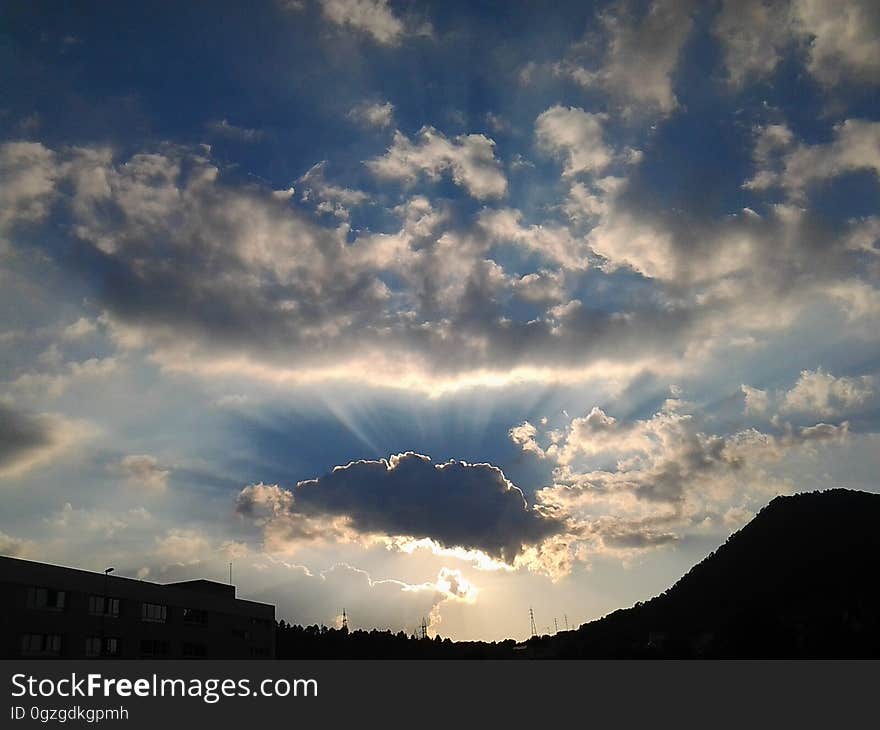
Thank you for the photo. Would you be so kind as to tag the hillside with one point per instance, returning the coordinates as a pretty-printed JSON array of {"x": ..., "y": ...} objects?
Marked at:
[{"x": 800, "y": 580}]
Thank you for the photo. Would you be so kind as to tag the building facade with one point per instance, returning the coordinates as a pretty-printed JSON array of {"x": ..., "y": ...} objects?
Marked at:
[{"x": 55, "y": 612}]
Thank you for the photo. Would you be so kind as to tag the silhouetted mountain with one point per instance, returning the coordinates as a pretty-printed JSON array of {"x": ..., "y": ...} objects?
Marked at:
[{"x": 800, "y": 580}]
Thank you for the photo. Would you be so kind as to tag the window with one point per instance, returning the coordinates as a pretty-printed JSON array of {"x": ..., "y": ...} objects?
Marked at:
[
  {"x": 195, "y": 616},
  {"x": 242, "y": 634},
  {"x": 41, "y": 644},
  {"x": 103, "y": 606},
  {"x": 45, "y": 598},
  {"x": 195, "y": 650},
  {"x": 153, "y": 647},
  {"x": 154, "y": 612},
  {"x": 259, "y": 651},
  {"x": 107, "y": 646}
]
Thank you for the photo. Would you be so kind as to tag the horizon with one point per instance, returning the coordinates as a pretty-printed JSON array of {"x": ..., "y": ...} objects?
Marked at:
[{"x": 432, "y": 310}]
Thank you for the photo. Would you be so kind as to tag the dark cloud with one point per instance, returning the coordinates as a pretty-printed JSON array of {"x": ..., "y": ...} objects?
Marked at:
[
  {"x": 21, "y": 435},
  {"x": 456, "y": 504}
]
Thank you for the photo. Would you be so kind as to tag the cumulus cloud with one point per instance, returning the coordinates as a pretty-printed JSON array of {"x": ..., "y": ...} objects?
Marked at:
[
  {"x": 373, "y": 114},
  {"x": 217, "y": 279},
  {"x": 374, "y": 18},
  {"x": 634, "y": 485},
  {"x": 455, "y": 504},
  {"x": 27, "y": 180},
  {"x": 469, "y": 159},
  {"x": 144, "y": 470},
  {"x": 839, "y": 40},
  {"x": 795, "y": 166},
  {"x": 327, "y": 197},
  {"x": 574, "y": 135},
  {"x": 819, "y": 392},
  {"x": 223, "y": 128},
  {"x": 641, "y": 53}
]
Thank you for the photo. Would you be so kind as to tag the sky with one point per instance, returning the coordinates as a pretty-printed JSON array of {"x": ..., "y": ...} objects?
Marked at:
[{"x": 432, "y": 310}]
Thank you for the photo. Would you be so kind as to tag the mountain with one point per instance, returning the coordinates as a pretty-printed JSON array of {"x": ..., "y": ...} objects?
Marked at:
[{"x": 799, "y": 580}]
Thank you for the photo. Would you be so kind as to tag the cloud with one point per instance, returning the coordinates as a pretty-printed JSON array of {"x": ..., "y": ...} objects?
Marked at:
[
  {"x": 28, "y": 440},
  {"x": 641, "y": 53},
  {"x": 81, "y": 328},
  {"x": 373, "y": 114},
  {"x": 553, "y": 243},
  {"x": 633, "y": 485},
  {"x": 794, "y": 166},
  {"x": 27, "y": 179},
  {"x": 13, "y": 546},
  {"x": 575, "y": 136},
  {"x": 825, "y": 395},
  {"x": 53, "y": 384},
  {"x": 455, "y": 504},
  {"x": 144, "y": 470},
  {"x": 306, "y": 598},
  {"x": 840, "y": 41},
  {"x": 756, "y": 401},
  {"x": 470, "y": 159},
  {"x": 753, "y": 34},
  {"x": 223, "y": 128},
  {"x": 372, "y": 17},
  {"x": 220, "y": 279},
  {"x": 327, "y": 197}
]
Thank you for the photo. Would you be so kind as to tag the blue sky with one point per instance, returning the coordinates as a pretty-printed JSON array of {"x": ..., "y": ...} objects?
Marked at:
[{"x": 432, "y": 309}]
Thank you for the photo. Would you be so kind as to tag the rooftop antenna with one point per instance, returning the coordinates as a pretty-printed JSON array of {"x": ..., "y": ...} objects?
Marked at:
[{"x": 532, "y": 621}]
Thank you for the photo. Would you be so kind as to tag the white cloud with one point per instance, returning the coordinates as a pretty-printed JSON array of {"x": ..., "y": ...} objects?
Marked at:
[
  {"x": 855, "y": 146},
  {"x": 27, "y": 179},
  {"x": 470, "y": 159},
  {"x": 144, "y": 470},
  {"x": 841, "y": 40},
  {"x": 375, "y": 114},
  {"x": 575, "y": 136},
  {"x": 327, "y": 197},
  {"x": 756, "y": 400},
  {"x": 223, "y": 128},
  {"x": 642, "y": 52},
  {"x": 819, "y": 392},
  {"x": 373, "y": 17}
]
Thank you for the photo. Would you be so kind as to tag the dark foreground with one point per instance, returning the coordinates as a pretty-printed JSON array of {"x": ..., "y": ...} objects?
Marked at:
[{"x": 798, "y": 581}]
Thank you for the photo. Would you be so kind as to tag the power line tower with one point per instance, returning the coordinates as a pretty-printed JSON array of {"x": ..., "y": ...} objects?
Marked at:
[
  {"x": 555, "y": 625},
  {"x": 423, "y": 630},
  {"x": 566, "y": 621},
  {"x": 344, "y": 621},
  {"x": 532, "y": 621}
]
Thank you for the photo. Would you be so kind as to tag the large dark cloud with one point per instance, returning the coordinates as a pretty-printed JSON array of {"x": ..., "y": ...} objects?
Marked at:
[
  {"x": 455, "y": 504},
  {"x": 21, "y": 436}
]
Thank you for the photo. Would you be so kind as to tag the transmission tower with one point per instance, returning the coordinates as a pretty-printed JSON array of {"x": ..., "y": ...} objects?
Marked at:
[
  {"x": 532, "y": 621},
  {"x": 566, "y": 621},
  {"x": 344, "y": 620},
  {"x": 555, "y": 625},
  {"x": 423, "y": 629}
]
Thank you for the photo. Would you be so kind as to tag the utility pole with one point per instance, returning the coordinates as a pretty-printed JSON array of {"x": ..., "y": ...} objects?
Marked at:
[{"x": 532, "y": 621}]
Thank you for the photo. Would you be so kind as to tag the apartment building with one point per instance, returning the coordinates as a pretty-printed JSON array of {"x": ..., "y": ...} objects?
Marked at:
[{"x": 56, "y": 612}]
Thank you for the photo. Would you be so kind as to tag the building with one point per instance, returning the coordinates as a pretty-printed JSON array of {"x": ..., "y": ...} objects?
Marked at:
[{"x": 56, "y": 612}]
